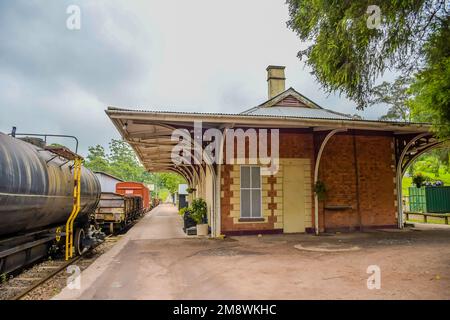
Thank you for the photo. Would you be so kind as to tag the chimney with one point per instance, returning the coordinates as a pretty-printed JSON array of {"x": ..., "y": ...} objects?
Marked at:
[{"x": 275, "y": 80}]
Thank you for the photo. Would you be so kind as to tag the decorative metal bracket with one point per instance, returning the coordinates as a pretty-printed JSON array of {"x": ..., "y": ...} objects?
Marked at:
[{"x": 409, "y": 148}]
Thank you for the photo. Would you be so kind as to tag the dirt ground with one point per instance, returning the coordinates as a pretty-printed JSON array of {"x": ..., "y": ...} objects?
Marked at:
[{"x": 414, "y": 264}]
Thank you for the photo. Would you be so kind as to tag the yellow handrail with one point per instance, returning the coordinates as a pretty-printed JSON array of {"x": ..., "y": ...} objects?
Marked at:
[{"x": 76, "y": 206}]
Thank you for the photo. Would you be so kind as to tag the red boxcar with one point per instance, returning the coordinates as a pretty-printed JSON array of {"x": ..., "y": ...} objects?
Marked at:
[{"x": 137, "y": 189}]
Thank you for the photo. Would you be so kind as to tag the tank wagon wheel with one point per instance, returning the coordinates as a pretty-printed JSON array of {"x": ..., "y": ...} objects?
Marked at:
[{"x": 79, "y": 239}]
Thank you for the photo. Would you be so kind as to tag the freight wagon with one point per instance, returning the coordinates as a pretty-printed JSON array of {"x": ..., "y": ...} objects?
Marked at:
[
  {"x": 136, "y": 189},
  {"x": 37, "y": 201},
  {"x": 116, "y": 211}
]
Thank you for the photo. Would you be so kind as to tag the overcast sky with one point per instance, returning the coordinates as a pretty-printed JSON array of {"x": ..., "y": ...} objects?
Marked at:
[{"x": 198, "y": 55}]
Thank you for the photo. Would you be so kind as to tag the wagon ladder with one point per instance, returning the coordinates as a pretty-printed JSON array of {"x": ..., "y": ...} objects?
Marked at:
[{"x": 75, "y": 208}]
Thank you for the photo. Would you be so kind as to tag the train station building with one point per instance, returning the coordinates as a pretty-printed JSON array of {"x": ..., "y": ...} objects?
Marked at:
[{"x": 333, "y": 171}]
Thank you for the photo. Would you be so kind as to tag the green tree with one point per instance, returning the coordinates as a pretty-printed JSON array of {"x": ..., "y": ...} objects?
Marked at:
[
  {"x": 171, "y": 181},
  {"x": 347, "y": 53},
  {"x": 444, "y": 155},
  {"x": 395, "y": 95},
  {"x": 97, "y": 159},
  {"x": 123, "y": 163},
  {"x": 428, "y": 164},
  {"x": 431, "y": 91}
]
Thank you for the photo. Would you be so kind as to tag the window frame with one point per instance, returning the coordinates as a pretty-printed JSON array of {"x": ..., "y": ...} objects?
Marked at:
[{"x": 251, "y": 188}]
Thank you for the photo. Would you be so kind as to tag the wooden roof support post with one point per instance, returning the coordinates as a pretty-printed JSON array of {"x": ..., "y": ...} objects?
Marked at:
[{"x": 217, "y": 227}]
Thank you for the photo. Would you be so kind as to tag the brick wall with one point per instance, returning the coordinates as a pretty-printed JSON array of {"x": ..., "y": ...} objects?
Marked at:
[
  {"x": 353, "y": 167},
  {"x": 294, "y": 143},
  {"x": 230, "y": 204},
  {"x": 376, "y": 165},
  {"x": 368, "y": 177}
]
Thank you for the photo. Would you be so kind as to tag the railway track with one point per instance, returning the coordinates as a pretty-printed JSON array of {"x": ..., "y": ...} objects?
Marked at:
[
  {"x": 23, "y": 285},
  {"x": 52, "y": 273}
]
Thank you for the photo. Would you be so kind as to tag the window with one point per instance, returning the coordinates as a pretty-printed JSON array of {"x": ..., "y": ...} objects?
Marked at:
[{"x": 250, "y": 192}]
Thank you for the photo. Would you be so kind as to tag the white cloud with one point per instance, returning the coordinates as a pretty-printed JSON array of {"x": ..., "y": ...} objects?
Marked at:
[{"x": 199, "y": 55}]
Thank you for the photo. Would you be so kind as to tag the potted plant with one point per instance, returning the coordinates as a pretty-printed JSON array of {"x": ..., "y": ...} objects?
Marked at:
[
  {"x": 418, "y": 180},
  {"x": 182, "y": 211},
  {"x": 199, "y": 211},
  {"x": 188, "y": 222},
  {"x": 320, "y": 190}
]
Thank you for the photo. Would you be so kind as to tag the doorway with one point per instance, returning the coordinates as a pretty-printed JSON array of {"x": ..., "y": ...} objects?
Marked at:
[{"x": 293, "y": 196}]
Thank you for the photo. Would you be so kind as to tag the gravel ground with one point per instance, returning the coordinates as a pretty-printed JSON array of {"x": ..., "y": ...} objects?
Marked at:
[
  {"x": 153, "y": 262},
  {"x": 13, "y": 285}
]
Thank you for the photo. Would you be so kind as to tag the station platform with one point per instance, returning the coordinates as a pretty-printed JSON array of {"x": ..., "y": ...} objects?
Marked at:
[
  {"x": 156, "y": 260},
  {"x": 115, "y": 275}
]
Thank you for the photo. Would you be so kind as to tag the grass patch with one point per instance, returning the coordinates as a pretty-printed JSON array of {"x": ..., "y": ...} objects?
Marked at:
[{"x": 430, "y": 220}]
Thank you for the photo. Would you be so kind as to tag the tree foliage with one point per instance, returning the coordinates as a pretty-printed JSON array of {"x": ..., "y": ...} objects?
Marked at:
[
  {"x": 96, "y": 159},
  {"x": 395, "y": 95},
  {"x": 123, "y": 163},
  {"x": 347, "y": 55},
  {"x": 171, "y": 181},
  {"x": 430, "y": 99},
  {"x": 432, "y": 163}
]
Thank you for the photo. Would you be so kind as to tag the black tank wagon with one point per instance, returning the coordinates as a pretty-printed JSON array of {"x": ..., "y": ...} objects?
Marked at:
[{"x": 36, "y": 198}]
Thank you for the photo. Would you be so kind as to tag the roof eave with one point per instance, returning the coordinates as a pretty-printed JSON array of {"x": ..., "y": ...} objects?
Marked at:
[{"x": 281, "y": 121}]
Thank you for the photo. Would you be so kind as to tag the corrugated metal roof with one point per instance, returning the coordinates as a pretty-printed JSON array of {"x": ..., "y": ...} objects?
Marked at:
[
  {"x": 107, "y": 174},
  {"x": 112, "y": 109},
  {"x": 297, "y": 112}
]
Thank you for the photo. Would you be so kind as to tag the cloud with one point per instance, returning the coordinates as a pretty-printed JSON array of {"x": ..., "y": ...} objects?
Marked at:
[{"x": 201, "y": 55}]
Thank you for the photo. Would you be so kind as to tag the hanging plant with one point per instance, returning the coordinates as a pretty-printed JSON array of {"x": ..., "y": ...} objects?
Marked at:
[
  {"x": 320, "y": 190},
  {"x": 190, "y": 190},
  {"x": 418, "y": 180}
]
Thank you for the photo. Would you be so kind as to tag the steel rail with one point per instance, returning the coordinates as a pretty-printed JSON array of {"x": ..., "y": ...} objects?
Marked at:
[{"x": 46, "y": 278}]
